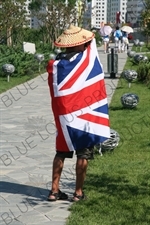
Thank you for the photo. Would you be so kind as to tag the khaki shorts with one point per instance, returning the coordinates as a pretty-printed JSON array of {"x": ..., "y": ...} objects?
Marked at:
[{"x": 86, "y": 153}]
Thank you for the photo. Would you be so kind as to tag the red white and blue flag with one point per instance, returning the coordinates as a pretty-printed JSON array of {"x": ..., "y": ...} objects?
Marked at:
[{"x": 79, "y": 100}]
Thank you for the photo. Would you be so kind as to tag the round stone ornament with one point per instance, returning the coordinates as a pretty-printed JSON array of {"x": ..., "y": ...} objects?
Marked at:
[
  {"x": 129, "y": 100},
  {"x": 52, "y": 56},
  {"x": 8, "y": 68},
  {"x": 131, "y": 54},
  {"x": 129, "y": 75},
  {"x": 57, "y": 51},
  {"x": 141, "y": 43},
  {"x": 111, "y": 142},
  {"x": 138, "y": 58},
  {"x": 145, "y": 59},
  {"x": 39, "y": 57},
  {"x": 136, "y": 42}
]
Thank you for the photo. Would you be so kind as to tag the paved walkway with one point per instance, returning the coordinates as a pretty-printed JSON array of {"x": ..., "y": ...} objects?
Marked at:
[{"x": 27, "y": 143}]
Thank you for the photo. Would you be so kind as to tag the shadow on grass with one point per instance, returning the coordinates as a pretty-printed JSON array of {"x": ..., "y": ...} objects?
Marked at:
[
  {"x": 120, "y": 87},
  {"x": 115, "y": 108},
  {"x": 119, "y": 189},
  {"x": 118, "y": 186},
  {"x": 115, "y": 195}
]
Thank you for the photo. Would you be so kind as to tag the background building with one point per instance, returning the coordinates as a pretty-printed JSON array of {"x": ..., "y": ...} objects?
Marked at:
[
  {"x": 33, "y": 22},
  {"x": 98, "y": 12},
  {"x": 87, "y": 16},
  {"x": 105, "y": 11},
  {"x": 116, "y": 7},
  {"x": 134, "y": 9}
]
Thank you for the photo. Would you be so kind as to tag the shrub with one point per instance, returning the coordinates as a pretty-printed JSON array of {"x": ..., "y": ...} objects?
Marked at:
[
  {"x": 143, "y": 71},
  {"x": 24, "y": 63}
]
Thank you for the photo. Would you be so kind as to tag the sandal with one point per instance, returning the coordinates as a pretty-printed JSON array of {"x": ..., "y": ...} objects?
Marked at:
[
  {"x": 77, "y": 198},
  {"x": 53, "y": 196}
]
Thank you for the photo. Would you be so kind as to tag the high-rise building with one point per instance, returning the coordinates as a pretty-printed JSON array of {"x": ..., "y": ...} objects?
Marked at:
[
  {"x": 106, "y": 11},
  {"x": 134, "y": 9},
  {"x": 87, "y": 16},
  {"x": 116, "y": 7},
  {"x": 98, "y": 12},
  {"x": 28, "y": 14},
  {"x": 33, "y": 22}
]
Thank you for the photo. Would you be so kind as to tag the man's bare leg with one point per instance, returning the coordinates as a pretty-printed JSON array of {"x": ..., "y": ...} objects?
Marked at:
[
  {"x": 58, "y": 164},
  {"x": 81, "y": 168}
]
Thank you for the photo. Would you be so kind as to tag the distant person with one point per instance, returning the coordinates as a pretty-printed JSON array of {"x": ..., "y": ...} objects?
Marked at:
[
  {"x": 130, "y": 37},
  {"x": 105, "y": 37},
  {"x": 118, "y": 38},
  {"x": 106, "y": 43},
  {"x": 125, "y": 42}
]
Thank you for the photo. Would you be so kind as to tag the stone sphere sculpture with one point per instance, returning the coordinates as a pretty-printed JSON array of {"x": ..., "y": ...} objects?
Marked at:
[
  {"x": 39, "y": 57},
  {"x": 131, "y": 54},
  {"x": 141, "y": 43},
  {"x": 52, "y": 56},
  {"x": 138, "y": 58},
  {"x": 129, "y": 75},
  {"x": 136, "y": 42},
  {"x": 111, "y": 142},
  {"x": 145, "y": 59},
  {"x": 129, "y": 100},
  {"x": 57, "y": 51},
  {"x": 8, "y": 68}
]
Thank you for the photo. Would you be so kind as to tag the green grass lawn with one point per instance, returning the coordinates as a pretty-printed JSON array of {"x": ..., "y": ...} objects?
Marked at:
[
  {"x": 144, "y": 48},
  {"x": 118, "y": 183},
  {"x": 14, "y": 81}
]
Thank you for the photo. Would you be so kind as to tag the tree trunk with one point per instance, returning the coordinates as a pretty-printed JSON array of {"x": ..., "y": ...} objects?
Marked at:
[
  {"x": 147, "y": 40},
  {"x": 9, "y": 38}
]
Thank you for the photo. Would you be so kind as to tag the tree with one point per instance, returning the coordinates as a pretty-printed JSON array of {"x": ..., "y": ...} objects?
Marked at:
[
  {"x": 145, "y": 19},
  {"x": 55, "y": 16},
  {"x": 12, "y": 16}
]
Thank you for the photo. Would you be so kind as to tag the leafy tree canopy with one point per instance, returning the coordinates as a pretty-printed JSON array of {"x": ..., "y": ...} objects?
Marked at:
[
  {"x": 12, "y": 15},
  {"x": 56, "y": 15},
  {"x": 37, "y": 4},
  {"x": 145, "y": 16}
]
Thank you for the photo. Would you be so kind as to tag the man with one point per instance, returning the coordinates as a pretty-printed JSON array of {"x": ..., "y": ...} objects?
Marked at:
[
  {"x": 105, "y": 37},
  {"x": 125, "y": 42},
  {"x": 118, "y": 37},
  {"x": 106, "y": 43},
  {"x": 79, "y": 105}
]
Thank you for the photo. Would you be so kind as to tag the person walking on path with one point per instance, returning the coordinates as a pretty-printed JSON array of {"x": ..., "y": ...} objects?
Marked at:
[
  {"x": 105, "y": 32},
  {"x": 118, "y": 39},
  {"x": 106, "y": 43},
  {"x": 79, "y": 104},
  {"x": 125, "y": 41}
]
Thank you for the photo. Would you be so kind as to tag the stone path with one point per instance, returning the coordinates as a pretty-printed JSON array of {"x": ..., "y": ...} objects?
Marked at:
[{"x": 27, "y": 143}]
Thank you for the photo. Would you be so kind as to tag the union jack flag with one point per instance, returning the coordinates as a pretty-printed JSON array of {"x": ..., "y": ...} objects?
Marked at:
[{"x": 79, "y": 100}]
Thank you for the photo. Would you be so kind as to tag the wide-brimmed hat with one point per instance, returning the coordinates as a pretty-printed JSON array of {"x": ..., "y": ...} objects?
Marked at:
[{"x": 73, "y": 36}]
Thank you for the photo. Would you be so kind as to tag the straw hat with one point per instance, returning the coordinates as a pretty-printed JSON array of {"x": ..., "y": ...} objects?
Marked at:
[{"x": 73, "y": 36}]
